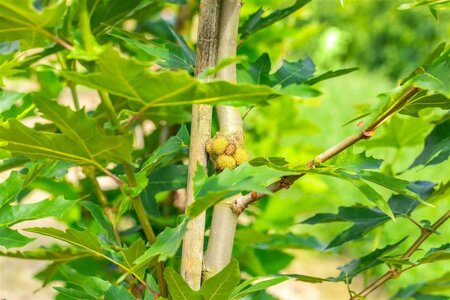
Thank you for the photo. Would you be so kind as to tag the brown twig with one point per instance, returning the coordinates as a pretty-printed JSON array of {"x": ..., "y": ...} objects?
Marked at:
[
  {"x": 394, "y": 272},
  {"x": 241, "y": 203}
]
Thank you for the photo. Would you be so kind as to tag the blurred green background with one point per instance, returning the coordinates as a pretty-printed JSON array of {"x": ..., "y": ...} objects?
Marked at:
[{"x": 386, "y": 44}]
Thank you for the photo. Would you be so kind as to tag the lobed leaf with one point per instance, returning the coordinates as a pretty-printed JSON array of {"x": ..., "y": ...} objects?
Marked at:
[
  {"x": 256, "y": 21},
  {"x": 20, "y": 20}
]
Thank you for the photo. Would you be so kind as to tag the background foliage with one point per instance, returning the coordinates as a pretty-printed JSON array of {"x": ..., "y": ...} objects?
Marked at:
[{"x": 135, "y": 63}]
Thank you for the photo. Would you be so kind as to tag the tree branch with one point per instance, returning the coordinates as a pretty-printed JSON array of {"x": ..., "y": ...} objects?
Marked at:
[
  {"x": 146, "y": 226},
  {"x": 192, "y": 253},
  {"x": 241, "y": 203},
  {"x": 395, "y": 272}
]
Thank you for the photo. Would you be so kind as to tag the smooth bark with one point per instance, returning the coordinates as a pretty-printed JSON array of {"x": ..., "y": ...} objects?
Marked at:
[
  {"x": 224, "y": 220},
  {"x": 192, "y": 255}
]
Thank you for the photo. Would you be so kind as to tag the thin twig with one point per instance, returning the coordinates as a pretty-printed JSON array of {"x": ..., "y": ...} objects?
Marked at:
[
  {"x": 241, "y": 203},
  {"x": 394, "y": 272}
]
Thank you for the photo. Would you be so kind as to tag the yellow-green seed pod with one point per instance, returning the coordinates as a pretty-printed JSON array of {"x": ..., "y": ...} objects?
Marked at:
[
  {"x": 240, "y": 156},
  {"x": 230, "y": 149},
  {"x": 218, "y": 145},
  {"x": 209, "y": 146},
  {"x": 224, "y": 161}
]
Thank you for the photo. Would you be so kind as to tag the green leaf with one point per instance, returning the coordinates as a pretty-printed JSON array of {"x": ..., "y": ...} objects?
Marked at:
[
  {"x": 348, "y": 160},
  {"x": 310, "y": 279},
  {"x": 221, "y": 285},
  {"x": 74, "y": 293},
  {"x": 10, "y": 188},
  {"x": 54, "y": 253},
  {"x": 12, "y": 239},
  {"x": 289, "y": 79},
  {"x": 365, "y": 219},
  {"x": 357, "y": 266},
  {"x": 132, "y": 253},
  {"x": 104, "y": 14},
  {"x": 57, "y": 207},
  {"x": 257, "y": 22},
  {"x": 259, "y": 286},
  {"x": 330, "y": 74},
  {"x": 437, "y": 146},
  {"x": 293, "y": 72},
  {"x": 85, "y": 132},
  {"x": 166, "y": 245},
  {"x": 168, "y": 54},
  {"x": 94, "y": 286},
  {"x": 421, "y": 102},
  {"x": 126, "y": 78},
  {"x": 437, "y": 76},
  {"x": 37, "y": 144},
  {"x": 169, "y": 178},
  {"x": 83, "y": 239},
  {"x": 178, "y": 288},
  {"x": 171, "y": 147},
  {"x": 8, "y": 99},
  {"x": 245, "y": 178},
  {"x": 257, "y": 72},
  {"x": 19, "y": 20},
  {"x": 100, "y": 217},
  {"x": 426, "y": 290},
  {"x": 436, "y": 254}
]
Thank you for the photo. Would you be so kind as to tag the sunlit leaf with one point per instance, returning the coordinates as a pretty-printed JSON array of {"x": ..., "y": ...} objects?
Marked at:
[
  {"x": 256, "y": 21},
  {"x": 12, "y": 238},
  {"x": 20, "y": 20}
]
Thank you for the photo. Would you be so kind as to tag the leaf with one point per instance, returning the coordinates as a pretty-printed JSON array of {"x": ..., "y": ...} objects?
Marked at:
[
  {"x": 85, "y": 132},
  {"x": 437, "y": 76},
  {"x": 178, "y": 288},
  {"x": 259, "y": 286},
  {"x": 72, "y": 147},
  {"x": 221, "y": 285},
  {"x": 94, "y": 286},
  {"x": 171, "y": 147},
  {"x": 245, "y": 178},
  {"x": 126, "y": 78},
  {"x": 19, "y": 20},
  {"x": 107, "y": 13},
  {"x": 330, "y": 74},
  {"x": 425, "y": 290},
  {"x": 310, "y": 279},
  {"x": 289, "y": 79},
  {"x": 357, "y": 266},
  {"x": 256, "y": 21},
  {"x": 436, "y": 254},
  {"x": 54, "y": 253},
  {"x": 101, "y": 219},
  {"x": 8, "y": 99},
  {"x": 365, "y": 219},
  {"x": 348, "y": 160},
  {"x": 257, "y": 72},
  {"x": 132, "y": 253},
  {"x": 166, "y": 245},
  {"x": 167, "y": 178},
  {"x": 168, "y": 54},
  {"x": 293, "y": 72},
  {"x": 437, "y": 146},
  {"x": 10, "y": 188},
  {"x": 83, "y": 239},
  {"x": 421, "y": 102},
  {"x": 73, "y": 293},
  {"x": 12, "y": 239},
  {"x": 57, "y": 207}
]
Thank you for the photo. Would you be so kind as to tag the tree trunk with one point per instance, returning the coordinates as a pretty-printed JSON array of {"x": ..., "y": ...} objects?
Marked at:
[
  {"x": 192, "y": 255},
  {"x": 223, "y": 226}
]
